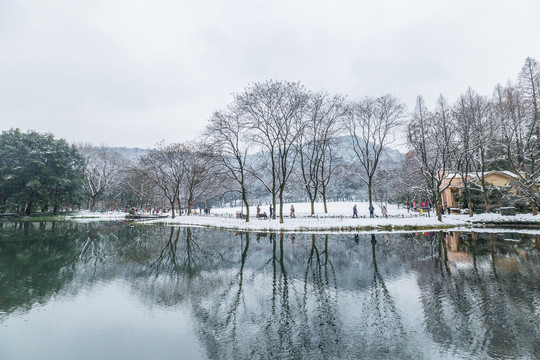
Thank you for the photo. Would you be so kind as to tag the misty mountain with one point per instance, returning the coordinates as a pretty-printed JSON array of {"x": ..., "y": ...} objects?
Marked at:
[
  {"x": 131, "y": 154},
  {"x": 345, "y": 152},
  {"x": 343, "y": 148}
]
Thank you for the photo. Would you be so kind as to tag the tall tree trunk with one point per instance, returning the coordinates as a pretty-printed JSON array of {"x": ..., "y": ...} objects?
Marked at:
[
  {"x": 439, "y": 206},
  {"x": 483, "y": 181},
  {"x": 179, "y": 207},
  {"x": 93, "y": 204},
  {"x": 324, "y": 199},
  {"x": 369, "y": 191},
  {"x": 484, "y": 195},
  {"x": 274, "y": 206},
  {"x": 281, "y": 205},
  {"x": 470, "y": 204},
  {"x": 312, "y": 206},
  {"x": 244, "y": 199},
  {"x": 172, "y": 209},
  {"x": 274, "y": 193},
  {"x": 28, "y": 209}
]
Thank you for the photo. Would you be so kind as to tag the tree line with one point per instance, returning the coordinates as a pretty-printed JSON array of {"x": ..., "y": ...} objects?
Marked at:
[
  {"x": 476, "y": 134},
  {"x": 279, "y": 140}
]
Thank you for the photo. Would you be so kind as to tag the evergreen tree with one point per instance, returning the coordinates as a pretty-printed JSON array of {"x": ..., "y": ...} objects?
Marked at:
[{"x": 38, "y": 172}]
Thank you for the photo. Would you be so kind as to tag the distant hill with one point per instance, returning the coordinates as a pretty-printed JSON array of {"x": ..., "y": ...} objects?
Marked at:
[
  {"x": 132, "y": 154},
  {"x": 344, "y": 150},
  {"x": 346, "y": 153}
]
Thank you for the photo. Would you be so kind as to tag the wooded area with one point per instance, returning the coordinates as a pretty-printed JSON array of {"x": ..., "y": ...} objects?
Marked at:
[{"x": 279, "y": 141}]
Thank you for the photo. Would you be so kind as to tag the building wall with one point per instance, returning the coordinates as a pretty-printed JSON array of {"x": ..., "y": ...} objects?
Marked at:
[
  {"x": 449, "y": 194},
  {"x": 498, "y": 179}
]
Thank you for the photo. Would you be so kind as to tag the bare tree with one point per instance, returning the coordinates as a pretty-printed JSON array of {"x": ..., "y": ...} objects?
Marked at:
[
  {"x": 324, "y": 116},
  {"x": 484, "y": 130},
  {"x": 228, "y": 132},
  {"x": 202, "y": 174},
  {"x": 139, "y": 189},
  {"x": 165, "y": 167},
  {"x": 102, "y": 168},
  {"x": 529, "y": 179},
  {"x": 372, "y": 125},
  {"x": 432, "y": 138},
  {"x": 343, "y": 186},
  {"x": 274, "y": 112},
  {"x": 384, "y": 188},
  {"x": 529, "y": 84},
  {"x": 327, "y": 170},
  {"x": 409, "y": 183},
  {"x": 471, "y": 113},
  {"x": 517, "y": 110}
]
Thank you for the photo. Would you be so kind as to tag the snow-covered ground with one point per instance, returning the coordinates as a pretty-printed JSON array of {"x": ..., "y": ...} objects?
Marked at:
[
  {"x": 339, "y": 218},
  {"x": 89, "y": 216}
]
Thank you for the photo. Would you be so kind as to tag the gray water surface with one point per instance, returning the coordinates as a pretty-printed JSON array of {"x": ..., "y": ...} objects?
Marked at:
[{"x": 114, "y": 291}]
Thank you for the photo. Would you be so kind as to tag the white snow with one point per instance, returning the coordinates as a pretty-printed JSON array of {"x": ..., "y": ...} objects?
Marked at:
[
  {"x": 505, "y": 172},
  {"x": 89, "y": 216},
  {"x": 339, "y": 218}
]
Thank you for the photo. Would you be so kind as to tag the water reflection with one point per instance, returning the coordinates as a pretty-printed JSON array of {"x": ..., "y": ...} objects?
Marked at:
[
  {"x": 383, "y": 319},
  {"x": 419, "y": 295},
  {"x": 479, "y": 295}
]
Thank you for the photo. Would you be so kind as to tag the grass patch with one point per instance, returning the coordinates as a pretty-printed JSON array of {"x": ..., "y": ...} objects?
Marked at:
[{"x": 38, "y": 217}]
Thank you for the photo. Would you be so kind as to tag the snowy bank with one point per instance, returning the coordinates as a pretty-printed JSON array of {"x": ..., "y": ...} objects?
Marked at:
[{"x": 339, "y": 218}]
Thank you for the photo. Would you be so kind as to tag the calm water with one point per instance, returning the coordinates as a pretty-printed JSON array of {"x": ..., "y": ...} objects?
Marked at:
[{"x": 111, "y": 291}]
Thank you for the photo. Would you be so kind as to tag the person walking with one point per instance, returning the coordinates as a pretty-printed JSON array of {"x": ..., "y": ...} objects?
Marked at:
[
  {"x": 271, "y": 211},
  {"x": 354, "y": 212},
  {"x": 292, "y": 211},
  {"x": 371, "y": 211},
  {"x": 385, "y": 211}
]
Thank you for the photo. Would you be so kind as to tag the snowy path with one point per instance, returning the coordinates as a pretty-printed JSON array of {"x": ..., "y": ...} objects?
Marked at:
[{"x": 339, "y": 218}]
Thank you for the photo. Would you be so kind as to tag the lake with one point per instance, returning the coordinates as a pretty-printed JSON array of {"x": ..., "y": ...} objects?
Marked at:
[{"x": 116, "y": 291}]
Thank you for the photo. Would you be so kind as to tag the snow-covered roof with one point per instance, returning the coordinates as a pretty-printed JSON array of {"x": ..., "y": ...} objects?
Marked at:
[
  {"x": 473, "y": 175},
  {"x": 452, "y": 175},
  {"x": 505, "y": 172}
]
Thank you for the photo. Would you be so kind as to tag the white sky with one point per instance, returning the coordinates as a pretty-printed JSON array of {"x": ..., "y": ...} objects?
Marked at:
[{"x": 131, "y": 72}]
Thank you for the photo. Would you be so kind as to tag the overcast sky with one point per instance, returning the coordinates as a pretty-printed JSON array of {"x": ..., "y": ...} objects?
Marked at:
[{"x": 131, "y": 72}]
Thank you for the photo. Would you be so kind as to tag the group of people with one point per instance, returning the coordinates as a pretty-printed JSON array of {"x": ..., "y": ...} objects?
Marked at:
[
  {"x": 272, "y": 212},
  {"x": 371, "y": 211},
  {"x": 445, "y": 209},
  {"x": 292, "y": 214},
  {"x": 411, "y": 205}
]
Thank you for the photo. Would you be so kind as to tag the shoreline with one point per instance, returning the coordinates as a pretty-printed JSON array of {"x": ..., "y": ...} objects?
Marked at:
[
  {"x": 334, "y": 224},
  {"x": 304, "y": 223}
]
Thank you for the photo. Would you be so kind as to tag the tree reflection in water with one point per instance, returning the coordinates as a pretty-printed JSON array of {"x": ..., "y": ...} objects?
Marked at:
[
  {"x": 324, "y": 330},
  {"x": 319, "y": 296},
  {"x": 280, "y": 316},
  {"x": 384, "y": 335},
  {"x": 469, "y": 304}
]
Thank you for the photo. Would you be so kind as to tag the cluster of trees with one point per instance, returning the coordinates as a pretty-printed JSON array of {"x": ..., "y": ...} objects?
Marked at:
[
  {"x": 278, "y": 141},
  {"x": 477, "y": 134},
  {"x": 38, "y": 172},
  {"x": 169, "y": 176},
  {"x": 291, "y": 133},
  {"x": 275, "y": 140}
]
